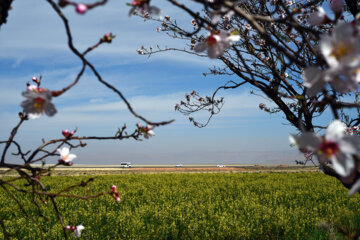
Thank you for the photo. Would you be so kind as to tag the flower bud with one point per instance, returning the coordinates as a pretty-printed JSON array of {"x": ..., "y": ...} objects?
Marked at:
[
  {"x": 68, "y": 227},
  {"x": 66, "y": 133},
  {"x": 177, "y": 107},
  {"x": 81, "y": 8}
]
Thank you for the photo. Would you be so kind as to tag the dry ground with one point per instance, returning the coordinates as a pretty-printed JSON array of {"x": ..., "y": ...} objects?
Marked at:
[{"x": 109, "y": 170}]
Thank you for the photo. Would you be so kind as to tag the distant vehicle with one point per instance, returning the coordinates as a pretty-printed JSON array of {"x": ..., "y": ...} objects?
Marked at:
[
  {"x": 178, "y": 165},
  {"x": 220, "y": 166},
  {"x": 125, "y": 164}
]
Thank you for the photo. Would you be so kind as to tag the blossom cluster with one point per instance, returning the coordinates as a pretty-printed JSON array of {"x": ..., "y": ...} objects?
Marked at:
[
  {"x": 76, "y": 229},
  {"x": 341, "y": 51},
  {"x": 335, "y": 147},
  {"x": 115, "y": 193},
  {"x": 146, "y": 131}
]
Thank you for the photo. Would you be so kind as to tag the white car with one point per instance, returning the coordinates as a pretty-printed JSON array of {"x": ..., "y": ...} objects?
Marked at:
[
  {"x": 178, "y": 165},
  {"x": 125, "y": 164},
  {"x": 220, "y": 166}
]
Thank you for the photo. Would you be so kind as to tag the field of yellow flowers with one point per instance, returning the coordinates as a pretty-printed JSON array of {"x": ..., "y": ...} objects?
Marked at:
[{"x": 196, "y": 206}]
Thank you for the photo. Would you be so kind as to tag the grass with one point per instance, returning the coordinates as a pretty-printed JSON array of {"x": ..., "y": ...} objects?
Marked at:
[{"x": 198, "y": 206}]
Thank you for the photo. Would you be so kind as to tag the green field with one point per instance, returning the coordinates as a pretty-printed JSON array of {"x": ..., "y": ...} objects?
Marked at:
[{"x": 197, "y": 206}]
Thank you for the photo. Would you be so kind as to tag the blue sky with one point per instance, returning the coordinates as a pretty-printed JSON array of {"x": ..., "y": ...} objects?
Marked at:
[{"x": 33, "y": 43}]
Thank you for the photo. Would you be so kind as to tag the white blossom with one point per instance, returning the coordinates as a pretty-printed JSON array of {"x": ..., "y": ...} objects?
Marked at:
[
  {"x": 341, "y": 51},
  {"x": 334, "y": 147},
  {"x": 216, "y": 43},
  {"x": 65, "y": 154},
  {"x": 79, "y": 228},
  {"x": 149, "y": 131},
  {"x": 38, "y": 100}
]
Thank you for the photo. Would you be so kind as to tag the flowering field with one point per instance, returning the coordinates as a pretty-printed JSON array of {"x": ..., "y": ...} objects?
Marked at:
[{"x": 197, "y": 206}]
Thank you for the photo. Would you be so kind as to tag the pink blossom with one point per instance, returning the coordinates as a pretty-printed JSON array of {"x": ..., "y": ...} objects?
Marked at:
[{"x": 113, "y": 188}]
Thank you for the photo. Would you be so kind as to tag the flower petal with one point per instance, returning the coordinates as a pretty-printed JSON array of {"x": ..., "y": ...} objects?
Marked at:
[
  {"x": 335, "y": 131},
  {"x": 306, "y": 140},
  {"x": 50, "y": 109},
  {"x": 70, "y": 157},
  {"x": 343, "y": 164}
]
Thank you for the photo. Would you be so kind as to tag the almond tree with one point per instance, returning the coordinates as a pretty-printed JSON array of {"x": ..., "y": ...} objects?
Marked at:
[
  {"x": 292, "y": 52},
  {"x": 300, "y": 57},
  {"x": 37, "y": 103}
]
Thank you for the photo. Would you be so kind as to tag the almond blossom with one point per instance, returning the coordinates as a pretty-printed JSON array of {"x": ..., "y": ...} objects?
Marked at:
[
  {"x": 65, "y": 156},
  {"x": 79, "y": 228},
  {"x": 38, "y": 101},
  {"x": 334, "y": 147},
  {"x": 342, "y": 47},
  {"x": 341, "y": 51},
  {"x": 149, "y": 131},
  {"x": 216, "y": 43},
  {"x": 115, "y": 193}
]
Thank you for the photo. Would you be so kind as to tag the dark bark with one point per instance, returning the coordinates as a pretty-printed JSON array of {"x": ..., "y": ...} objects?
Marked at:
[{"x": 4, "y": 9}]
